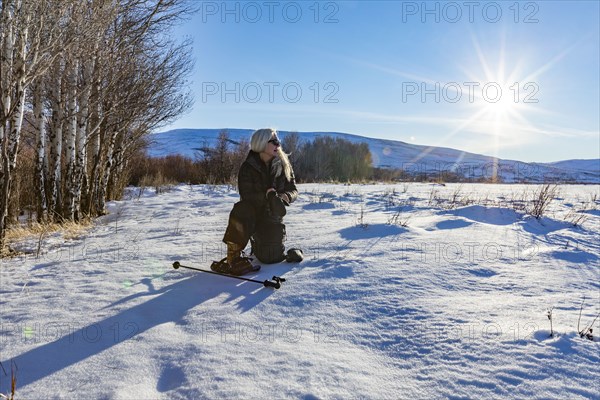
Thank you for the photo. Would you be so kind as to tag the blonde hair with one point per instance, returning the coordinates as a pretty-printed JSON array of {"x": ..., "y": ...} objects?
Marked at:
[{"x": 258, "y": 143}]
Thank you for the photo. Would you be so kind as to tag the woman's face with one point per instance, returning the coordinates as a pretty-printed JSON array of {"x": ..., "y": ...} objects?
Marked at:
[{"x": 273, "y": 146}]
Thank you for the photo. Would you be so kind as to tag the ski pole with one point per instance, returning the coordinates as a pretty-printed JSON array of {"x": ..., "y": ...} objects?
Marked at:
[{"x": 274, "y": 283}]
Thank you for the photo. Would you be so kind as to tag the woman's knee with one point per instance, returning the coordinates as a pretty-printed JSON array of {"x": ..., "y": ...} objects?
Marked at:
[
  {"x": 241, "y": 225},
  {"x": 243, "y": 210},
  {"x": 268, "y": 242}
]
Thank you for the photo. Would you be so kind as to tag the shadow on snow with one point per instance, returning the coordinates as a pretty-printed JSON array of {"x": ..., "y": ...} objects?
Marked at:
[{"x": 168, "y": 304}]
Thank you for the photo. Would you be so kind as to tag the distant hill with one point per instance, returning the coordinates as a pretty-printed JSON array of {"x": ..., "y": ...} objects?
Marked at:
[
  {"x": 578, "y": 165},
  {"x": 412, "y": 158}
]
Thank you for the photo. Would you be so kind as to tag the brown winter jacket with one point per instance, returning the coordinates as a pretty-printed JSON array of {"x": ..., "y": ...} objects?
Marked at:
[{"x": 255, "y": 178}]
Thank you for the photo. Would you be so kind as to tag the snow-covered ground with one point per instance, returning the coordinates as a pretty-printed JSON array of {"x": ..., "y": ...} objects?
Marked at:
[{"x": 452, "y": 305}]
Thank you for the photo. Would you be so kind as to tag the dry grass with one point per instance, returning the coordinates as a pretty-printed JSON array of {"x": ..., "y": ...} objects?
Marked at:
[
  {"x": 68, "y": 229},
  {"x": 13, "y": 381},
  {"x": 160, "y": 182},
  {"x": 541, "y": 200}
]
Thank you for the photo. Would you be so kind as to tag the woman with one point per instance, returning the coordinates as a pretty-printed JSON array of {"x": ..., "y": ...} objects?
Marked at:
[{"x": 267, "y": 186}]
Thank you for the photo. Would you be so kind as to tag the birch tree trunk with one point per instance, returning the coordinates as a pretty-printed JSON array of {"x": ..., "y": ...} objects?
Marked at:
[
  {"x": 56, "y": 141},
  {"x": 13, "y": 98},
  {"x": 6, "y": 93},
  {"x": 80, "y": 179},
  {"x": 103, "y": 186},
  {"x": 71, "y": 137},
  {"x": 40, "y": 145}
]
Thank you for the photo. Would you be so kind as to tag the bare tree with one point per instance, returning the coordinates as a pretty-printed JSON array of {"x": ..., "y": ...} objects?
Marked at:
[
  {"x": 29, "y": 38},
  {"x": 102, "y": 75},
  {"x": 291, "y": 145}
]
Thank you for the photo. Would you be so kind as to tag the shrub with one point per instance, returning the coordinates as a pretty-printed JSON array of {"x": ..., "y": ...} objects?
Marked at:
[{"x": 541, "y": 200}]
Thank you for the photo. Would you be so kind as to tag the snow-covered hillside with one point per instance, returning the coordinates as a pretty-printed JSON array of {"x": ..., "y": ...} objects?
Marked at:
[
  {"x": 578, "y": 165},
  {"x": 410, "y": 291},
  {"x": 414, "y": 159}
]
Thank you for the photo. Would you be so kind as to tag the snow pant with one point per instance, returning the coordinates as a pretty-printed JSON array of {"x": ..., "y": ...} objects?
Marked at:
[{"x": 265, "y": 232}]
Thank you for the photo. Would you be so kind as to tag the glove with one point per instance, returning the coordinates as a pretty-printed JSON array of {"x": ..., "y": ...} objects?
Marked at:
[
  {"x": 276, "y": 204},
  {"x": 285, "y": 198}
]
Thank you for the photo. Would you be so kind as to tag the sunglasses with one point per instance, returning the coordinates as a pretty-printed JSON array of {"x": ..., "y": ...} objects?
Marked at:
[{"x": 275, "y": 142}]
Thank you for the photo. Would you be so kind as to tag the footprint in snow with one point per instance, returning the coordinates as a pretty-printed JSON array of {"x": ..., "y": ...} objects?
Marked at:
[
  {"x": 482, "y": 272},
  {"x": 170, "y": 378}
]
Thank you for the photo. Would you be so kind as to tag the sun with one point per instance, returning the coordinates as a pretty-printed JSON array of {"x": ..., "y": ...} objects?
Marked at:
[
  {"x": 501, "y": 108},
  {"x": 504, "y": 100},
  {"x": 498, "y": 99},
  {"x": 497, "y": 114},
  {"x": 501, "y": 105}
]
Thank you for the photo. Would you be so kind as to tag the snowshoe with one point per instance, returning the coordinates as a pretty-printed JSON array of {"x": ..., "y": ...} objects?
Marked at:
[{"x": 240, "y": 266}]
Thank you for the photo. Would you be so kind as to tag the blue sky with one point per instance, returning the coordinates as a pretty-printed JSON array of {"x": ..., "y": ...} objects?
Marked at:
[{"x": 518, "y": 80}]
